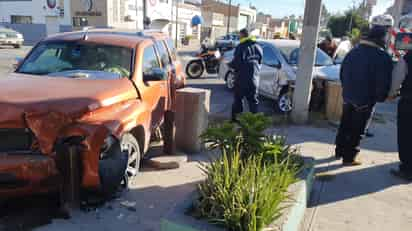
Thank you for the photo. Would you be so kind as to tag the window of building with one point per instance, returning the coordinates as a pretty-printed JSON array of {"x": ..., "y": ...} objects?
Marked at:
[
  {"x": 18, "y": 19},
  {"x": 80, "y": 21}
]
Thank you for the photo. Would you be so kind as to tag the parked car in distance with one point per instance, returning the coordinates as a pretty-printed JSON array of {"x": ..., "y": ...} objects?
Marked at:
[
  {"x": 103, "y": 92},
  {"x": 10, "y": 37},
  {"x": 227, "y": 42},
  {"x": 278, "y": 73}
]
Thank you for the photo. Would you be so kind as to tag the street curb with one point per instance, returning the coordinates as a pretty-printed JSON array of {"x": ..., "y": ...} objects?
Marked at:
[
  {"x": 293, "y": 216},
  {"x": 291, "y": 219}
]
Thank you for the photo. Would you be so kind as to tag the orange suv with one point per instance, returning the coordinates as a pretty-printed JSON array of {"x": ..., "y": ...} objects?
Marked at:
[{"x": 103, "y": 92}]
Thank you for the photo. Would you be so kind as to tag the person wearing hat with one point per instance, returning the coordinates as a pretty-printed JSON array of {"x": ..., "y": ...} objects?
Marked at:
[
  {"x": 366, "y": 75},
  {"x": 246, "y": 64}
]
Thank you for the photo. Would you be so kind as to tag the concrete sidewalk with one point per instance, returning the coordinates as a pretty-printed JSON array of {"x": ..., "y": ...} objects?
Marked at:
[{"x": 356, "y": 198}]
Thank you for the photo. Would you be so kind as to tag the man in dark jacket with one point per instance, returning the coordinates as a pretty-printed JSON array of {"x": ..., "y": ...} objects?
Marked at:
[
  {"x": 246, "y": 63},
  {"x": 402, "y": 86},
  {"x": 366, "y": 75}
]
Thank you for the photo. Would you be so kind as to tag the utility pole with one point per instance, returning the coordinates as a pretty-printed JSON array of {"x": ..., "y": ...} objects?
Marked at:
[
  {"x": 351, "y": 16},
  {"x": 144, "y": 10},
  {"x": 397, "y": 11},
  {"x": 302, "y": 93},
  {"x": 137, "y": 15},
  {"x": 177, "y": 23},
  {"x": 229, "y": 16}
]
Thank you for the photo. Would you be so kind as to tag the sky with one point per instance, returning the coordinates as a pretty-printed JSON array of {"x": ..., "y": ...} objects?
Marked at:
[{"x": 280, "y": 8}]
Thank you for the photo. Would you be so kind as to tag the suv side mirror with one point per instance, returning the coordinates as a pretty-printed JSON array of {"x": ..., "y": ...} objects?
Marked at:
[{"x": 155, "y": 74}]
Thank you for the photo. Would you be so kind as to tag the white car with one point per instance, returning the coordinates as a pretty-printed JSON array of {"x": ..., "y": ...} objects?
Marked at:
[
  {"x": 278, "y": 73},
  {"x": 10, "y": 37}
]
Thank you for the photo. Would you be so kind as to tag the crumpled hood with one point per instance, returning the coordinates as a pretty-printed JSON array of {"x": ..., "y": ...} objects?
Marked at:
[
  {"x": 47, "y": 104},
  {"x": 331, "y": 73},
  {"x": 64, "y": 95}
]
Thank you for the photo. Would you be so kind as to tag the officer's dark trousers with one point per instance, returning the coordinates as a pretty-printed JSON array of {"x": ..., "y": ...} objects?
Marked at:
[
  {"x": 250, "y": 94},
  {"x": 351, "y": 129},
  {"x": 404, "y": 134}
]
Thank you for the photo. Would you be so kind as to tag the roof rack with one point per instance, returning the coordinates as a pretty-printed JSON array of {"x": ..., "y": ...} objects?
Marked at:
[
  {"x": 148, "y": 31},
  {"x": 86, "y": 31}
]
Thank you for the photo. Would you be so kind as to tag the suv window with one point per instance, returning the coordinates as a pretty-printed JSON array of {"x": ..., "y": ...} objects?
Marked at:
[
  {"x": 150, "y": 60},
  {"x": 172, "y": 49},
  {"x": 164, "y": 55}
]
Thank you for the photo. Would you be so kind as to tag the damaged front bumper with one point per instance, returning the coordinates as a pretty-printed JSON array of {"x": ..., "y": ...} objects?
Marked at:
[{"x": 24, "y": 174}]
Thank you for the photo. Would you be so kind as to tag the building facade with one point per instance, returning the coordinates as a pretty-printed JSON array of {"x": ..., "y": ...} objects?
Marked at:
[
  {"x": 246, "y": 18},
  {"x": 218, "y": 18},
  {"x": 186, "y": 12},
  {"x": 36, "y": 19}
]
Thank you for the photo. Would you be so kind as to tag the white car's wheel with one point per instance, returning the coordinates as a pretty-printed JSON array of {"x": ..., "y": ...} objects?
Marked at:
[
  {"x": 230, "y": 80},
  {"x": 285, "y": 103}
]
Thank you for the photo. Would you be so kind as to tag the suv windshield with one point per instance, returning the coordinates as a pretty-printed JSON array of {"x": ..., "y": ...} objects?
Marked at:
[{"x": 75, "y": 57}]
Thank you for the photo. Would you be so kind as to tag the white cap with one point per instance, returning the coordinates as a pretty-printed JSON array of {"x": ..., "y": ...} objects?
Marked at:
[{"x": 383, "y": 20}]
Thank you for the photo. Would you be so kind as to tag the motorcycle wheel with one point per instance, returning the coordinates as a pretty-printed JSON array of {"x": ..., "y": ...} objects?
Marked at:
[{"x": 195, "y": 69}]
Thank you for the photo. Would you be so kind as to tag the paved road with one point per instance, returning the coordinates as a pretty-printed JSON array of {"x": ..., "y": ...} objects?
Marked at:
[{"x": 8, "y": 57}]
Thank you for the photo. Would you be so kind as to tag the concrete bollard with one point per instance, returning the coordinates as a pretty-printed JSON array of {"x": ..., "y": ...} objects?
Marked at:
[
  {"x": 192, "y": 111},
  {"x": 334, "y": 101}
]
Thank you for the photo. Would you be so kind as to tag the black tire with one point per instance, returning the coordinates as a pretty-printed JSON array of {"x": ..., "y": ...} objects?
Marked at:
[
  {"x": 17, "y": 46},
  {"x": 112, "y": 169},
  {"x": 131, "y": 146},
  {"x": 199, "y": 69},
  {"x": 285, "y": 97}
]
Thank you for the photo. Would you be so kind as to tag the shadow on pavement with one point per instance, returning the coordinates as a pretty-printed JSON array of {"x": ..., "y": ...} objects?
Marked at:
[{"x": 356, "y": 183}]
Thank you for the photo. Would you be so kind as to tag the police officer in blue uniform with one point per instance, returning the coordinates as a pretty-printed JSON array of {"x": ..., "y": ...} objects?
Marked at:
[{"x": 246, "y": 63}]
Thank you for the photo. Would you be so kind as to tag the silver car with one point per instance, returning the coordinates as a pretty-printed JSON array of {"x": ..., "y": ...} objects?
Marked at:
[
  {"x": 278, "y": 73},
  {"x": 10, "y": 37}
]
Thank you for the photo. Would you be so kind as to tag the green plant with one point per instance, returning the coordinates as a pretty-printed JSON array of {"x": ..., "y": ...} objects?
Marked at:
[
  {"x": 245, "y": 187},
  {"x": 248, "y": 133}
]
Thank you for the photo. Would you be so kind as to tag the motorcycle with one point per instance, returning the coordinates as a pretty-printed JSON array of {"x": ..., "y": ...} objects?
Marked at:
[{"x": 207, "y": 59}]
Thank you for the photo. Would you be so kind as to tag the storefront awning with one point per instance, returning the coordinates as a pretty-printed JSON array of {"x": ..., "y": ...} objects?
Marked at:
[{"x": 197, "y": 20}]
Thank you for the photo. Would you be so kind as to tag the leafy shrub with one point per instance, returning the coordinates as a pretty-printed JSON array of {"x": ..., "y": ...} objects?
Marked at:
[{"x": 245, "y": 187}]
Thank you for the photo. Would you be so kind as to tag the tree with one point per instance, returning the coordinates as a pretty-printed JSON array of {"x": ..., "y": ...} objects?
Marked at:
[
  {"x": 325, "y": 15},
  {"x": 341, "y": 25}
]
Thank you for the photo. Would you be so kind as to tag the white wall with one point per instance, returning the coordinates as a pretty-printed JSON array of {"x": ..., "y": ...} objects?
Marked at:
[
  {"x": 158, "y": 10},
  {"x": 250, "y": 13},
  {"x": 38, "y": 9},
  {"x": 186, "y": 13}
]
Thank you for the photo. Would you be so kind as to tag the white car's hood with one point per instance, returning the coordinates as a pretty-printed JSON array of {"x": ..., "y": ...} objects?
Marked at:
[
  {"x": 327, "y": 72},
  {"x": 330, "y": 73}
]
